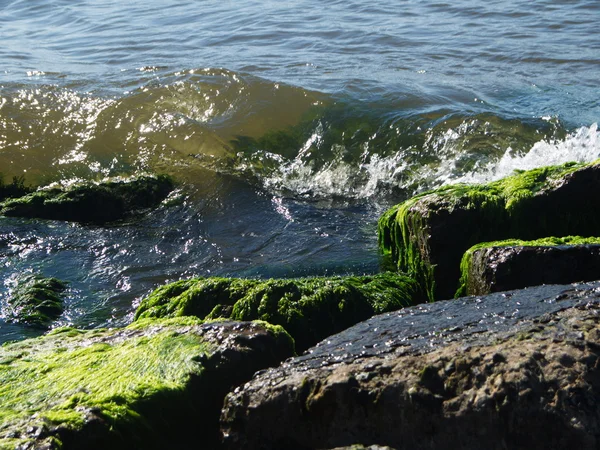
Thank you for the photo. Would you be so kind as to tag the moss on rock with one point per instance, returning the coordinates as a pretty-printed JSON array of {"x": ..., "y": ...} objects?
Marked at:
[
  {"x": 427, "y": 235},
  {"x": 36, "y": 300},
  {"x": 515, "y": 263},
  {"x": 310, "y": 309},
  {"x": 100, "y": 202},
  {"x": 155, "y": 384}
]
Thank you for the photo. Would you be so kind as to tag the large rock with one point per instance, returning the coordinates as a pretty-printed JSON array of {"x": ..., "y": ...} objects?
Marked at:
[
  {"x": 35, "y": 300},
  {"x": 310, "y": 309},
  {"x": 153, "y": 385},
  {"x": 517, "y": 370},
  {"x": 427, "y": 235},
  {"x": 514, "y": 264},
  {"x": 101, "y": 202}
]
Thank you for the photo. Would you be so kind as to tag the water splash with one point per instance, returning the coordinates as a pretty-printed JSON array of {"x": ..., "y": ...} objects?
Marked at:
[{"x": 582, "y": 145}]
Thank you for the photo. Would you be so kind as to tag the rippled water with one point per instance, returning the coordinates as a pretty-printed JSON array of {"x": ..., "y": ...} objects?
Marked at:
[{"x": 289, "y": 126}]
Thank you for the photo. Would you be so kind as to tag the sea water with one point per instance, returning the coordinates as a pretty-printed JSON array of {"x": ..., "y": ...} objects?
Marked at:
[{"x": 289, "y": 127}]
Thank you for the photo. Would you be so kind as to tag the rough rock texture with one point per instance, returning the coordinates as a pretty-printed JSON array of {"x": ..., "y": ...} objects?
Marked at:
[
  {"x": 153, "y": 385},
  {"x": 35, "y": 300},
  {"x": 427, "y": 235},
  {"x": 308, "y": 308},
  {"x": 101, "y": 202},
  {"x": 517, "y": 370},
  {"x": 513, "y": 264}
]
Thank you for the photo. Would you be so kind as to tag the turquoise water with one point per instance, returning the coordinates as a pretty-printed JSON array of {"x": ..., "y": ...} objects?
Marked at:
[{"x": 290, "y": 126}]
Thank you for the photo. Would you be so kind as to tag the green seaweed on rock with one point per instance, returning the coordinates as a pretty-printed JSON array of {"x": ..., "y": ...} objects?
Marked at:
[
  {"x": 93, "y": 202},
  {"x": 426, "y": 236},
  {"x": 310, "y": 309},
  {"x": 154, "y": 384},
  {"x": 36, "y": 300}
]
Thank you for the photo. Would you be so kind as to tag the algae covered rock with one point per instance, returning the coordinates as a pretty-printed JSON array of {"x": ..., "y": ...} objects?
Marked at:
[
  {"x": 427, "y": 235},
  {"x": 308, "y": 308},
  {"x": 16, "y": 188},
  {"x": 35, "y": 300},
  {"x": 153, "y": 385},
  {"x": 92, "y": 202},
  {"x": 514, "y": 264},
  {"x": 517, "y": 370}
]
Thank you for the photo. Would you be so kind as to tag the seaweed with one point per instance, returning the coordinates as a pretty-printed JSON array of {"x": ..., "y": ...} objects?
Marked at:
[
  {"x": 310, "y": 309},
  {"x": 427, "y": 235}
]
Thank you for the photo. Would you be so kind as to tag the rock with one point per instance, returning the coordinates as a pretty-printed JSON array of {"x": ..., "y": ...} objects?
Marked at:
[
  {"x": 514, "y": 264},
  {"x": 153, "y": 385},
  {"x": 16, "y": 188},
  {"x": 89, "y": 202},
  {"x": 427, "y": 235},
  {"x": 517, "y": 370},
  {"x": 36, "y": 300},
  {"x": 308, "y": 308}
]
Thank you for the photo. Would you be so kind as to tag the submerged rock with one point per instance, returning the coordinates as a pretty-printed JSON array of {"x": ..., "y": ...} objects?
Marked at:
[
  {"x": 427, "y": 235},
  {"x": 153, "y": 385},
  {"x": 514, "y": 264},
  {"x": 90, "y": 202},
  {"x": 308, "y": 308},
  {"x": 16, "y": 188},
  {"x": 517, "y": 370},
  {"x": 35, "y": 300}
]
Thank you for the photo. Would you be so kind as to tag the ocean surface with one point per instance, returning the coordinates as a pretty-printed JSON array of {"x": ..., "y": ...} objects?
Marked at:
[{"x": 289, "y": 127}]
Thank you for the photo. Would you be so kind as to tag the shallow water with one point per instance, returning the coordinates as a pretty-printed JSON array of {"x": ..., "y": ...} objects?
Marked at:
[{"x": 290, "y": 126}]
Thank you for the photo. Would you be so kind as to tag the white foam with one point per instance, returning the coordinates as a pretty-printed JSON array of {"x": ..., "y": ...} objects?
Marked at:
[{"x": 583, "y": 145}]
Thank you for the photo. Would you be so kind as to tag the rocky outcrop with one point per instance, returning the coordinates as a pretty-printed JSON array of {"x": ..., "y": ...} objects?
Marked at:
[
  {"x": 153, "y": 385},
  {"x": 35, "y": 300},
  {"x": 514, "y": 370},
  {"x": 514, "y": 264},
  {"x": 310, "y": 309},
  {"x": 89, "y": 202},
  {"x": 427, "y": 235}
]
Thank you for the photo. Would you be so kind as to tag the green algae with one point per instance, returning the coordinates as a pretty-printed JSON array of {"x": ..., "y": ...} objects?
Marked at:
[
  {"x": 91, "y": 202},
  {"x": 154, "y": 384},
  {"x": 427, "y": 235},
  {"x": 62, "y": 379},
  {"x": 310, "y": 309},
  {"x": 36, "y": 300},
  {"x": 552, "y": 241}
]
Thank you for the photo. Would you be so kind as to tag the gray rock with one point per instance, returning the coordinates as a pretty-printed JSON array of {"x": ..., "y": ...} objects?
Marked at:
[
  {"x": 517, "y": 370},
  {"x": 495, "y": 269}
]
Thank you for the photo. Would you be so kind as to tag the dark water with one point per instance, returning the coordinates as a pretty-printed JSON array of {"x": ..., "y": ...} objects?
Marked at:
[{"x": 290, "y": 126}]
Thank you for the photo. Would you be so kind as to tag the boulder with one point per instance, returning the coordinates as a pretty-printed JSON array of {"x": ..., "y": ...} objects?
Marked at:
[
  {"x": 153, "y": 385},
  {"x": 516, "y": 370},
  {"x": 35, "y": 300},
  {"x": 308, "y": 308},
  {"x": 514, "y": 264},
  {"x": 90, "y": 202},
  {"x": 427, "y": 235}
]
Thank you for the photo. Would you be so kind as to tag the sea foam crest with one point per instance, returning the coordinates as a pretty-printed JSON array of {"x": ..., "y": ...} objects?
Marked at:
[{"x": 583, "y": 145}]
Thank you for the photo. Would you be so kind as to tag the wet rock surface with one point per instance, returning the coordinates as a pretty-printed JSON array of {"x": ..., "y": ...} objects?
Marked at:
[
  {"x": 89, "y": 202},
  {"x": 498, "y": 269},
  {"x": 154, "y": 385},
  {"x": 519, "y": 369}
]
